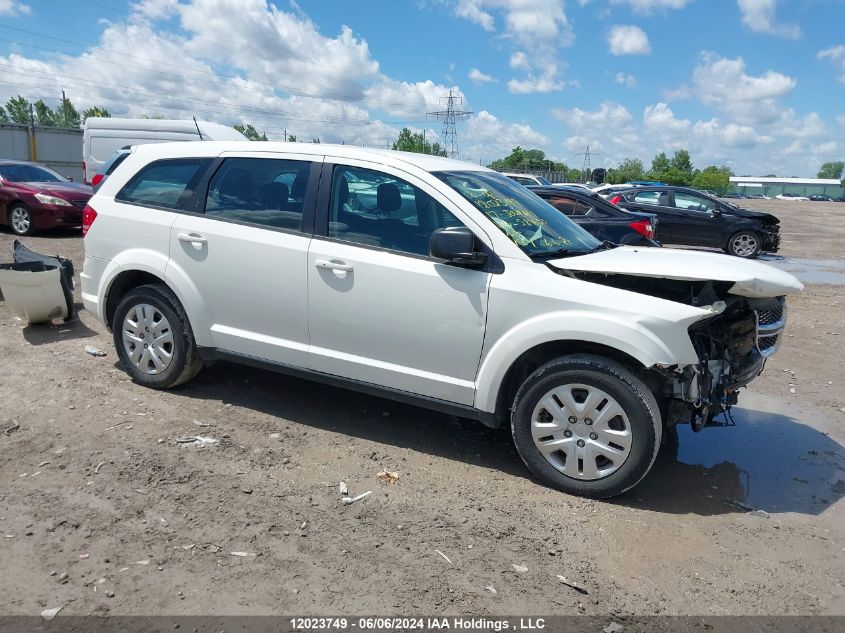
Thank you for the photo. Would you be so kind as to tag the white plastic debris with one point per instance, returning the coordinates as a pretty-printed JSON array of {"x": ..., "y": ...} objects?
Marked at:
[
  {"x": 571, "y": 583},
  {"x": 491, "y": 589},
  {"x": 49, "y": 614},
  {"x": 613, "y": 628},
  {"x": 197, "y": 440},
  {"x": 446, "y": 558},
  {"x": 344, "y": 489},
  {"x": 349, "y": 500},
  {"x": 520, "y": 569},
  {"x": 243, "y": 554},
  {"x": 93, "y": 351}
]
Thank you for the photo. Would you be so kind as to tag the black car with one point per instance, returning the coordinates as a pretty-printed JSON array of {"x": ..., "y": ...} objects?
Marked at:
[
  {"x": 817, "y": 197},
  {"x": 603, "y": 220},
  {"x": 686, "y": 216}
]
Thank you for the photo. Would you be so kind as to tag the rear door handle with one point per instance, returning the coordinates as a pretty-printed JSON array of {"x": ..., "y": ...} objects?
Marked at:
[
  {"x": 191, "y": 238},
  {"x": 331, "y": 265}
]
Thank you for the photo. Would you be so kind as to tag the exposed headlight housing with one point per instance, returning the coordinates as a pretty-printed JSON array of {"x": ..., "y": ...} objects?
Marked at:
[{"x": 43, "y": 198}]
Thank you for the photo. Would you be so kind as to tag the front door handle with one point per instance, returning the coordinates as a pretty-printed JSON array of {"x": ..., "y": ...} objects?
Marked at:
[
  {"x": 333, "y": 265},
  {"x": 192, "y": 238}
]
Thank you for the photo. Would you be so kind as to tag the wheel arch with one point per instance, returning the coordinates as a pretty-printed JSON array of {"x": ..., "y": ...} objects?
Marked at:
[
  {"x": 531, "y": 359},
  {"x": 516, "y": 353}
]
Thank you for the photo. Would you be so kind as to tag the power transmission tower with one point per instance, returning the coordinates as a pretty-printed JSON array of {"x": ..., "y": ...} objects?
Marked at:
[
  {"x": 586, "y": 170},
  {"x": 450, "y": 116}
]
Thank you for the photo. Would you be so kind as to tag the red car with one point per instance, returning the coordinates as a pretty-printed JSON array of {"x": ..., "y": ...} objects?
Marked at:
[{"x": 34, "y": 197}]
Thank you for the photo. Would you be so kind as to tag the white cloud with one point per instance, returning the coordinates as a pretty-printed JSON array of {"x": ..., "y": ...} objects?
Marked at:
[
  {"x": 628, "y": 40},
  {"x": 836, "y": 54},
  {"x": 841, "y": 120},
  {"x": 759, "y": 16},
  {"x": 488, "y": 137},
  {"x": 235, "y": 61},
  {"x": 624, "y": 79},
  {"x": 536, "y": 29},
  {"x": 545, "y": 81},
  {"x": 610, "y": 115},
  {"x": 724, "y": 84},
  {"x": 531, "y": 23},
  {"x": 478, "y": 77},
  {"x": 13, "y": 7},
  {"x": 647, "y": 6}
]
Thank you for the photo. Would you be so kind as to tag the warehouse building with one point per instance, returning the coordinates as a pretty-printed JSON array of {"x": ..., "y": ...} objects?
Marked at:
[{"x": 775, "y": 186}]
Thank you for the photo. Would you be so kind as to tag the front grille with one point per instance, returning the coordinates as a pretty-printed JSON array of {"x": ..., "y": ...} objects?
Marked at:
[
  {"x": 79, "y": 204},
  {"x": 771, "y": 321}
]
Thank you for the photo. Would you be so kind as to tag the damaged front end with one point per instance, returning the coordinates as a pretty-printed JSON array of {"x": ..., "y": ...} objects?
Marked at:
[{"x": 732, "y": 347}]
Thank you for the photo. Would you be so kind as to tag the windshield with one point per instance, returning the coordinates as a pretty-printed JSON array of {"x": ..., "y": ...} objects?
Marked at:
[
  {"x": 529, "y": 221},
  {"x": 29, "y": 173},
  {"x": 543, "y": 181}
]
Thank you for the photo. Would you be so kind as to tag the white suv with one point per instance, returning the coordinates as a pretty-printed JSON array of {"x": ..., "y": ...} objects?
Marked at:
[{"x": 429, "y": 281}]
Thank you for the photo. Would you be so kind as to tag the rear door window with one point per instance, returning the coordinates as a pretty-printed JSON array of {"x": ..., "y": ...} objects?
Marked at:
[
  {"x": 265, "y": 191},
  {"x": 656, "y": 198},
  {"x": 166, "y": 184},
  {"x": 693, "y": 202}
]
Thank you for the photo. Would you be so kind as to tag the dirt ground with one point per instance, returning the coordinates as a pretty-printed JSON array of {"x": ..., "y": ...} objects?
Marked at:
[{"x": 102, "y": 511}]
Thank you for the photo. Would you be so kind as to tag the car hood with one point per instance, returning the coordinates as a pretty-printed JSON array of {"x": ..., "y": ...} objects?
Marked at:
[
  {"x": 750, "y": 278},
  {"x": 66, "y": 190},
  {"x": 766, "y": 218}
]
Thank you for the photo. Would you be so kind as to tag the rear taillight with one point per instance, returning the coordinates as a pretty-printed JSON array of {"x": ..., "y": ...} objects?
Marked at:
[
  {"x": 96, "y": 179},
  {"x": 643, "y": 227},
  {"x": 615, "y": 199},
  {"x": 84, "y": 172},
  {"x": 88, "y": 217}
]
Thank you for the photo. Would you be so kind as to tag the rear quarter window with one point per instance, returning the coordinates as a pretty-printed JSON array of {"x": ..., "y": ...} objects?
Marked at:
[{"x": 167, "y": 184}]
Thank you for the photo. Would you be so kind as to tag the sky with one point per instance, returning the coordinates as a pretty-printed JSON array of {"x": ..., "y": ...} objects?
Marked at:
[{"x": 757, "y": 85}]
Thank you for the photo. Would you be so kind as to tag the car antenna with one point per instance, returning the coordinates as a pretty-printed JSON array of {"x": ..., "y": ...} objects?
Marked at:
[{"x": 198, "y": 127}]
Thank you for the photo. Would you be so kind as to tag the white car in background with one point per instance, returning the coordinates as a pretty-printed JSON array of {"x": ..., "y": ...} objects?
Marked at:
[
  {"x": 792, "y": 196},
  {"x": 429, "y": 281},
  {"x": 605, "y": 191}
]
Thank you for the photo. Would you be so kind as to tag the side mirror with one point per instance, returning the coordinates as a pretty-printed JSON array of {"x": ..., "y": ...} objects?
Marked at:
[
  {"x": 717, "y": 212},
  {"x": 456, "y": 245}
]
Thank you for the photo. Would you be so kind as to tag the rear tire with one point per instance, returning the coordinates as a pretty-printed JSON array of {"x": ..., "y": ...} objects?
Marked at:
[
  {"x": 153, "y": 338},
  {"x": 20, "y": 220},
  {"x": 613, "y": 440},
  {"x": 745, "y": 244}
]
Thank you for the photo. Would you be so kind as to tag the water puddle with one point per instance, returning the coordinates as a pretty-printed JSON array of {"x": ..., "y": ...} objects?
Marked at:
[
  {"x": 769, "y": 460},
  {"x": 811, "y": 271}
]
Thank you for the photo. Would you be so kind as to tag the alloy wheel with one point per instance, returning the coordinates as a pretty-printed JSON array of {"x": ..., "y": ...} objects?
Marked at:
[
  {"x": 20, "y": 220},
  {"x": 744, "y": 245}
]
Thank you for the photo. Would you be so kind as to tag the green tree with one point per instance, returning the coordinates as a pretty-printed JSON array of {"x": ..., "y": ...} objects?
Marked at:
[
  {"x": 659, "y": 164},
  {"x": 316, "y": 140},
  {"x": 409, "y": 141},
  {"x": 43, "y": 114},
  {"x": 628, "y": 170},
  {"x": 3, "y": 116},
  {"x": 291, "y": 138},
  {"x": 681, "y": 161},
  {"x": 520, "y": 158},
  {"x": 249, "y": 131},
  {"x": 152, "y": 116},
  {"x": 713, "y": 178},
  {"x": 18, "y": 109},
  {"x": 832, "y": 170},
  {"x": 66, "y": 114},
  {"x": 95, "y": 111}
]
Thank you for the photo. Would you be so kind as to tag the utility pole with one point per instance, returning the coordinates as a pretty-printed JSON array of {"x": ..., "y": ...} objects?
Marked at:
[
  {"x": 450, "y": 116},
  {"x": 586, "y": 170}
]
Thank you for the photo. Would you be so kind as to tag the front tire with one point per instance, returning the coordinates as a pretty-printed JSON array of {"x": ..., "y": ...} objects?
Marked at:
[
  {"x": 153, "y": 338},
  {"x": 586, "y": 425},
  {"x": 745, "y": 244},
  {"x": 20, "y": 220}
]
